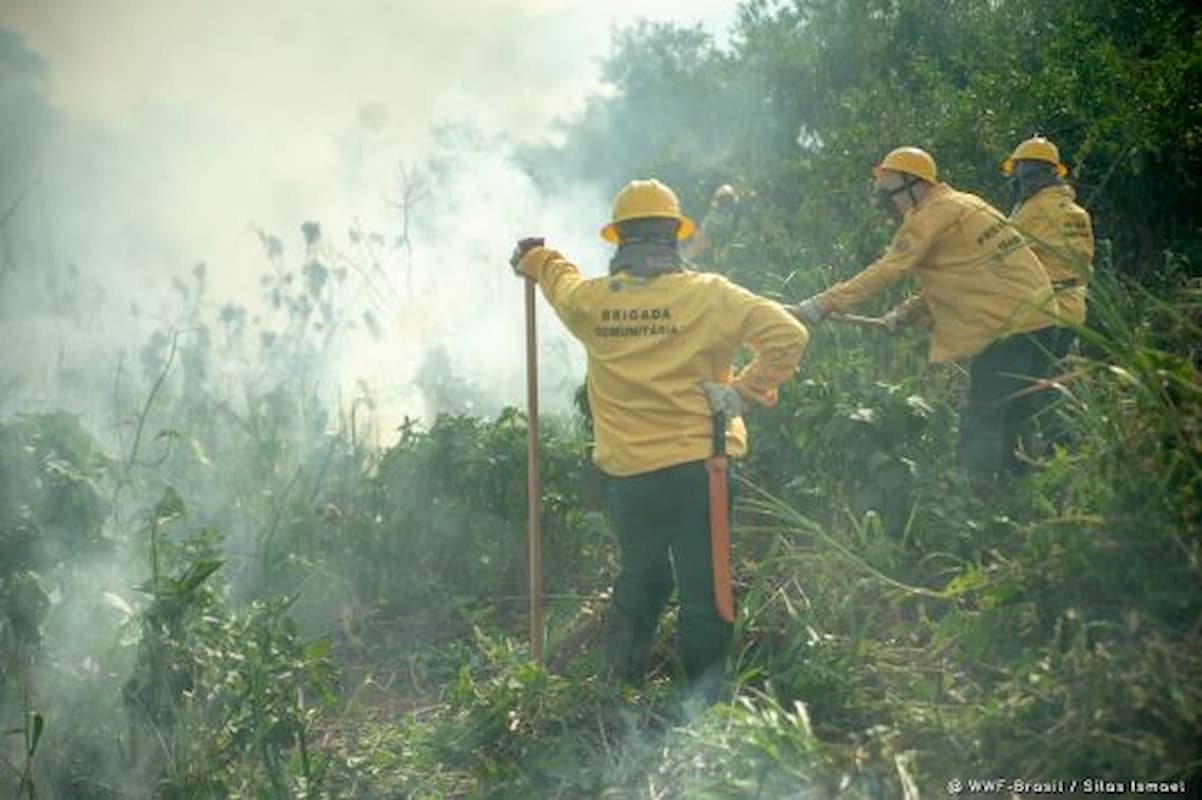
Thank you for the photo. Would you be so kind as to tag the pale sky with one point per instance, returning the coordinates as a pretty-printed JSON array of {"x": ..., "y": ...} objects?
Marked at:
[
  {"x": 308, "y": 66},
  {"x": 184, "y": 124}
]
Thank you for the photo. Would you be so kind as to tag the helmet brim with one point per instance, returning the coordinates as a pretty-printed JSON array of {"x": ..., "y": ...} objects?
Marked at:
[
  {"x": 1007, "y": 166},
  {"x": 879, "y": 171},
  {"x": 686, "y": 228}
]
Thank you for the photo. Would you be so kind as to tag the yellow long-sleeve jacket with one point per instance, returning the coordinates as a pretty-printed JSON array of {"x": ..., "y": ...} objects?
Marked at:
[
  {"x": 1061, "y": 234},
  {"x": 651, "y": 341},
  {"x": 978, "y": 280}
]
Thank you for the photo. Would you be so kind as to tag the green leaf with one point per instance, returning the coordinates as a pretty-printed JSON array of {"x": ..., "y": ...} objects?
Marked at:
[
  {"x": 318, "y": 650},
  {"x": 38, "y": 724},
  {"x": 863, "y": 414},
  {"x": 919, "y": 406},
  {"x": 170, "y": 506},
  {"x": 196, "y": 574},
  {"x": 117, "y": 602}
]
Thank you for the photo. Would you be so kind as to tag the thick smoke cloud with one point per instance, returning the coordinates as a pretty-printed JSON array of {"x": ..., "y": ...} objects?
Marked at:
[{"x": 167, "y": 134}]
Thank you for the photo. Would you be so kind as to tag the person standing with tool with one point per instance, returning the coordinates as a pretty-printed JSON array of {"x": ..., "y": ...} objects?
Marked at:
[
  {"x": 1060, "y": 232},
  {"x": 661, "y": 339},
  {"x": 982, "y": 292}
]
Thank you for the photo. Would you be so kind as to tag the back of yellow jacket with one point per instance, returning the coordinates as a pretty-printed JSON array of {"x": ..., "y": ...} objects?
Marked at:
[
  {"x": 1061, "y": 234},
  {"x": 978, "y": 280},
  {"x": 650, "y": 343}
]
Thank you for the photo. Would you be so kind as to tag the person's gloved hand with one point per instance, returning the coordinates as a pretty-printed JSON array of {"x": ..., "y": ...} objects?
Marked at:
[
  {"x": 524, "y": 246},
  {"x": 724, "y": 399},
  {"x": 893, "y": 320},
  {"x": 810, "y": 311}
]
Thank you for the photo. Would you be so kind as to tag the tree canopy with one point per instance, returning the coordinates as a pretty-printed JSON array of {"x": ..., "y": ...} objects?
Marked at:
[{"x": 808, "y": 94}]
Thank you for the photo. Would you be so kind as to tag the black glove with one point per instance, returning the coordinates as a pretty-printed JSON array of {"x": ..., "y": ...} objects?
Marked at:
[{"x": 524, "y": 246}]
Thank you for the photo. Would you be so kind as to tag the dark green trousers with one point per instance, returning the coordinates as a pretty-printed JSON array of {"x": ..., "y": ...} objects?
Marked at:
[
  {"x": 1001, "y": 410},
  {"x": 662, "y": 524},
  {"x": 1061, "y": 341}
]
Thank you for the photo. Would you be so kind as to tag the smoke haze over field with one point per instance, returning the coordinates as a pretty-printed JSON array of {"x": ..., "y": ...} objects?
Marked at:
[
  {"x": 159, "y": 135},
  {"x": 212, "y": 169}
]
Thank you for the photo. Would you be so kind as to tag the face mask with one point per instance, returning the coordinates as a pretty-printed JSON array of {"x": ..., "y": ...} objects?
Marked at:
[
  {"x": 1029, "y": 177},
  {"x": 1016, "y": 188},
  {"x": 647, "y": 246},
  {"x": 882, "y": 199}
]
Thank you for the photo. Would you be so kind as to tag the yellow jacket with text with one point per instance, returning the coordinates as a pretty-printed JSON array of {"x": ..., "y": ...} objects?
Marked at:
[
  {"x": 651, "y": 341},
  {"x": 1061, "y": 234},
  {"x": 978, "y": 280}
]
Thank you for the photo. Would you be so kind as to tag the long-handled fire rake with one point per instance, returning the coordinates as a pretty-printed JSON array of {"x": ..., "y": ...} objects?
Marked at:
[
  {"x": 533, "y": 494},
  {"x": 856, "y": 319}
]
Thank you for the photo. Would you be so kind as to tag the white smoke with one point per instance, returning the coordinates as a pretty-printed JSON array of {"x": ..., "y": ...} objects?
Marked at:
[{"x": 179, "y": 129}]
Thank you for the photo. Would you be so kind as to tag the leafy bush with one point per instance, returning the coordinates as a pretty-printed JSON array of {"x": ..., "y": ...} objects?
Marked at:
[
  {"x": 220, "y": 702},
  {"x": 894, "y": 630}
]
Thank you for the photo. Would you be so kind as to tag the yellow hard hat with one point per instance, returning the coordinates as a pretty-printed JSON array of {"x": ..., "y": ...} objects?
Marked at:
[
  {"x": 646, "y": 198},
  {"x": 1037, "y": 148},
  {"x": 910, "y": 160}
]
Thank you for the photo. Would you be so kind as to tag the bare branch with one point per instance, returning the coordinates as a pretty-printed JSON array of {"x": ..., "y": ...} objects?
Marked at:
[
  {"x": 154, "y": 390},
  {"x": 8, "y": 264},
  {"x": 415, "y": 187}
]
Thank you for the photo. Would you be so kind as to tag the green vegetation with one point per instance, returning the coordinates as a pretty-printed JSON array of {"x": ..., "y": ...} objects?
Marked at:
[{"x": 246, "y": 598}]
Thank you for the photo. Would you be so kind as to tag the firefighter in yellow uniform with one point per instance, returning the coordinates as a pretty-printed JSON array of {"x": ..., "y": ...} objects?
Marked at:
[
  {"x": 1058, "y": 230},
  {"x": 982, "y": 292},
  {"x": 660, "y": 339},
  {"x": 713, "y": 236}
]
